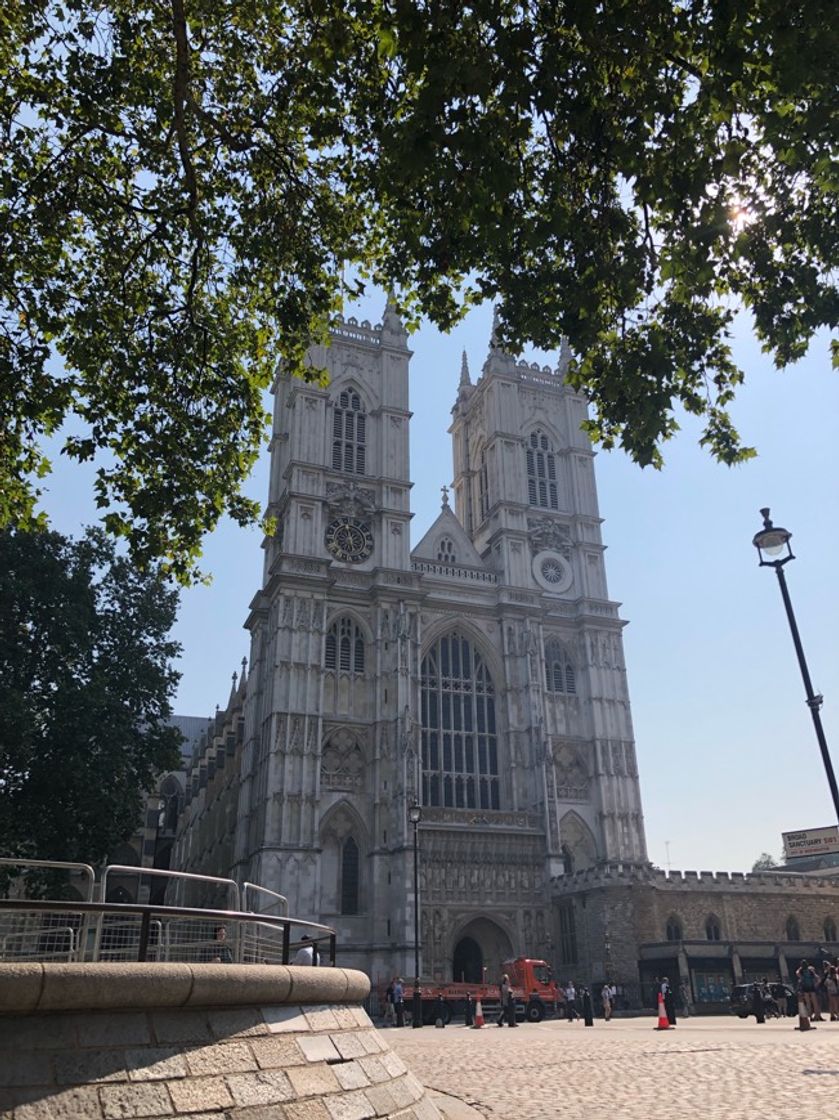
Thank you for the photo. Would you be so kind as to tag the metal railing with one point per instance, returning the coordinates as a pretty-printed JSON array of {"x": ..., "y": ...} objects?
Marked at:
[{"x": 127, "y": 931}]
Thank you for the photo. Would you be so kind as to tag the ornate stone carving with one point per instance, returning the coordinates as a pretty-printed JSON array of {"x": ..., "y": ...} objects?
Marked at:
[
  {"x": 571, "y": 772},
  {"x": 350, "y": 498},
  {"x": 548, "y": 535},
  {"x": 342, "y": 762}
]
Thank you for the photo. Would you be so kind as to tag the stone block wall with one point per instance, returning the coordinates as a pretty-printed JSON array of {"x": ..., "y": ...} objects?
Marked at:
[{"x": 107, "y": 1042}]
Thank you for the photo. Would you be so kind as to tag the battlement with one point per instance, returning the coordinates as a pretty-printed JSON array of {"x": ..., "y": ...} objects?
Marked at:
[
  {"x": 615, "y": 874},
  {"x": 351, "y": 330}
]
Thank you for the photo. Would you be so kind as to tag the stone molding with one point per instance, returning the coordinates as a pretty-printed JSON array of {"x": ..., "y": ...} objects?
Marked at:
[{"x": 35, "y": 987}]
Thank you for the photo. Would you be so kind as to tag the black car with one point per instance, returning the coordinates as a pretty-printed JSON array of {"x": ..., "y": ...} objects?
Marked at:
[{"x": 776, "y": 999}]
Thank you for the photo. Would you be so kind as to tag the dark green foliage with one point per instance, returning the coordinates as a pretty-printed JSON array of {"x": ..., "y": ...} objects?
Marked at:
[
  {"x": 183, "y": 182},
  {"x": 85, "y": 681}
]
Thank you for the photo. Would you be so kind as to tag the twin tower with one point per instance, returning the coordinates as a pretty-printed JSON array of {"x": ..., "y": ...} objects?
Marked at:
[{"x": 479, "y": 675}]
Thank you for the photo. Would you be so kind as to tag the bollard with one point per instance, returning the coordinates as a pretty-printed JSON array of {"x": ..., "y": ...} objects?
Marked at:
[
  {"x": 804, "y": 1023},
  {"x": 439, "y": 1020},
  {"x": 468, "y": 1019}
]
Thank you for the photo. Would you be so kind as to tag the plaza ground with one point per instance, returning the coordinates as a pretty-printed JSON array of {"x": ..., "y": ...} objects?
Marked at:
[{"x": 719, "y": 1068}]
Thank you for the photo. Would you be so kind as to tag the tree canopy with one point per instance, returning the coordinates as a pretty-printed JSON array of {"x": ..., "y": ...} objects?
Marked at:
[
  {"x": 765, "y": 862},
  {"x": 184, "y": 183},
  {"x": 85, "y": 681}
]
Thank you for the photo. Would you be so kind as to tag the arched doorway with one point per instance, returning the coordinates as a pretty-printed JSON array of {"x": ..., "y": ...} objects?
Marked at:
[
  {"x": 480, "y": 945},
  {"x": 468, "y": 965}
]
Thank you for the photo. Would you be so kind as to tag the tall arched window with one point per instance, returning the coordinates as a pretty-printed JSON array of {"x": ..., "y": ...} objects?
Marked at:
[
  {"x": 793, "y": 931},
  {"x": 713, "y": 931},
  {"x": 483, "y": 486},
  {"x": 349, "y": 434},
  {"x": 674, "y": 930},
  {"x": 349, "y": 876},
  {"x": 459, "y": 741},
  {"x": 541, "y": 472},
  {"x": 344, "y": 646},
  {"x": 559, "y": 670},
  {"x": 829, "y": 929}
]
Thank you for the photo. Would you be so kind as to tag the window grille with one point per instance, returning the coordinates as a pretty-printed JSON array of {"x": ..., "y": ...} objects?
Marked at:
[
  {"x": 541, "y": 472},
  {"x": 459, "y": 737},
  {"x": 349, "y": 434},
  {"x": 344, "y": 647}
]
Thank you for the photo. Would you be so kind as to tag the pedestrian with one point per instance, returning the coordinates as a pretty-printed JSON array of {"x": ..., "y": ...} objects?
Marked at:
[
  {"x": 805, "y": 976},
  {"x": 831, "y": 985},
  {"x": 559, "y": 1001},
  {"x": 469, "y": 1016},
  {"x": 390, "y": 1014},
  {"x": 399, "y": 1001},
  {"x": 218, "y": 951},
  {"x": 571, "y": 1012},
  {"x": 607, "y": 995},
  {"x": 588, "y": 1009},
  {"x": 307, "y": 953},
  {"x": 669, "y": 1001},
  {"x": 758, "y": 1002}
]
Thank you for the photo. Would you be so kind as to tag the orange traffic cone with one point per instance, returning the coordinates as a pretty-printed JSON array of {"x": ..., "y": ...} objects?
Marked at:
[
  {"x": 479, "y": 1015},
  {"x": 663, "y": 1021},
  {"x": 803, "y": 1016}
]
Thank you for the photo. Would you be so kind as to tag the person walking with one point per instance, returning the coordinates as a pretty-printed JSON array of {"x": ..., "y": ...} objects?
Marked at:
[
  {"x": 218, "y": 951},
  {"x": 390, "y": 1014},
  {"x": 831, "y": 986},
  {"x": 669, "y": 1001},
  {"x": 684, "y": 995},
  {"x": 805, "y": 976},
  {"x": 571, "y": 1012},
  {"x": 399, "y": 1001},
  {"x": 607, "y": 996}
]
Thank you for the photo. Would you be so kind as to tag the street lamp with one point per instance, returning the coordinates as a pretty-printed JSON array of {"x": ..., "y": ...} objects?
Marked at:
[
  {"x": 773, "y": 548},
  {"x": 415, "y": 816}
]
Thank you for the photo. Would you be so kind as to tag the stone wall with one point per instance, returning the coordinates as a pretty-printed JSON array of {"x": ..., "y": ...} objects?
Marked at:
[{"x": 238, "y": 1042}]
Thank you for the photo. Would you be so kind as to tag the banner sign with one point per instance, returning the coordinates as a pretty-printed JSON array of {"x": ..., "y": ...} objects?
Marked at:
[{"x": 811, "y": 842}]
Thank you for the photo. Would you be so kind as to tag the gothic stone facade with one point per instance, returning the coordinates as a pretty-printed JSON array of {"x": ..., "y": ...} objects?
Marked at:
[{"x": 480, "y": 675}]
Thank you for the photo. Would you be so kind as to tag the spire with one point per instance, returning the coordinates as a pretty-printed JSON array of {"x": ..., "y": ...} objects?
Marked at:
[
  {"x": 444, "y": 490},
  {"x": 465, "y": 379},
  {"x": 233, "y": 690},
  {"x": 243, "y": 676},
  {"x": 393, "y": 329},
  {"x": 498, "y": 360},
  {"x": 565, "y": 357}
]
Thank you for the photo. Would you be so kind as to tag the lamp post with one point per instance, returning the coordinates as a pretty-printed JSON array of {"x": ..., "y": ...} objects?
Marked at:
[
  {"x": 415, "y": 816},
  {"x": 772, "y": 542}
]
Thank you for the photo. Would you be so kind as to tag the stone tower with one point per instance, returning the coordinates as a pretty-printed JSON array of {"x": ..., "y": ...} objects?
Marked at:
[{"x": 480, "y": 675}]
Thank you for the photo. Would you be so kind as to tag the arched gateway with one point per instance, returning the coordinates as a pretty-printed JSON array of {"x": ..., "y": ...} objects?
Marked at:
[{"x": 479, "y": 950}]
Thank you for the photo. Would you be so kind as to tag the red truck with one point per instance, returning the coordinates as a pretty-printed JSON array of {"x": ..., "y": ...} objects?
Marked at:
[{"x": 534, "y": 992}]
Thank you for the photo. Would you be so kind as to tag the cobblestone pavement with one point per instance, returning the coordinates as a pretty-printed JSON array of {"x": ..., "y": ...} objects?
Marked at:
[{"x": 705, "y": 1069}]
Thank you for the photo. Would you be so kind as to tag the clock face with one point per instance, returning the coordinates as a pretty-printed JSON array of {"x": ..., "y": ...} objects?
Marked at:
[{"x": 349, "y": 539}]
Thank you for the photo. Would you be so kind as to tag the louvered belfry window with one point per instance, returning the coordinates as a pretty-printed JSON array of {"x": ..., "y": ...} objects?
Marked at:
[
  {"x": 344, "y": 647},
  {"x": 349, "y": 434},
  {"x": 541, "y": 472}
]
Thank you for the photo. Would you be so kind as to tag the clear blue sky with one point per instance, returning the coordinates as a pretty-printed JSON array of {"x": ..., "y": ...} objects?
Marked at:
[{"x": 726, "y": 748}]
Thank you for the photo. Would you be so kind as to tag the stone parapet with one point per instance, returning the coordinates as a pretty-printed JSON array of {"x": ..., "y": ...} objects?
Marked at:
[
  {"x": 103, "y": 1042},
  {"x": 615, "y": 874}
]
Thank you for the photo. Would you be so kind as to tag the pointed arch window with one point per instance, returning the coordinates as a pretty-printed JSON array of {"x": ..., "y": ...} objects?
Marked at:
[
  {"x": 349, "y": 876},
  {"x": 344, "y": 648},
  {"x": 349, "y": 434},
  {"x": 829, "y": 929},
  {"x": 674, "y": 929},
  {"x": 541, "y": 472},
  {"x": 713, "y": 930},
  {"x": 559, "y": 669},
  {"x": 793, "y": 930},
  {"x": 459, "y": 738}
]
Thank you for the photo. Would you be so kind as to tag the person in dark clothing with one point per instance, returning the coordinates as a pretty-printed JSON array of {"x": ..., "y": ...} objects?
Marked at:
[{"x": 758, "y": 1003}]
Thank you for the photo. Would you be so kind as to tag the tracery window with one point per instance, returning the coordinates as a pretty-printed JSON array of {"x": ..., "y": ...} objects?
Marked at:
[
  {"x": 344, "y": 646},
  {"x": 459, "y": 739},
  {"x": 349, "y": 876},
  {"x": 541, "y": 472},
  {"x": 793, "y": 931},
  {"x": 559, "y": 669},
  {"x": 445, "y": 552},
  {"x": 674, "y": 929},
  {"x": 713, "y": 931},
  {"x": 349, "y": 434}
]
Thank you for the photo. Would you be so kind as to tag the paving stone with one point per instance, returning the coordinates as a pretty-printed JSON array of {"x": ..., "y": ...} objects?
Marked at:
[
  {"x": 381, "y": 1099},
  {"x": 349, "y": 1045},
  {"x": 155, "y": 1063},
  {"x": 349, "y": 1106},
  {"x": 195, "y": 1094},
  {"x": 393, "y": 1064},
  {"x": 374, "y": 1068},
  {"x": 313, "y": 1080},
  {"x": 120, "y": 1101},
  {"x": 265, "y": 1087},
  {"x": 284, "y": 1019},
  {"x": 307, "y": 1110},
  {"x": 69, "y": 1104},
  {"x": 228, "y": 1022},
  {"x": 181, "y": 1026},
  {"x": 350, "y": 1075},
  {"x": 276, "y": 1052},
  {"x": 221, "y": 1057},
  {"x": 319, "y": 1048},
  {"x": 26, "y": 1069},
  {"x": 82, "y": 1067}
]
